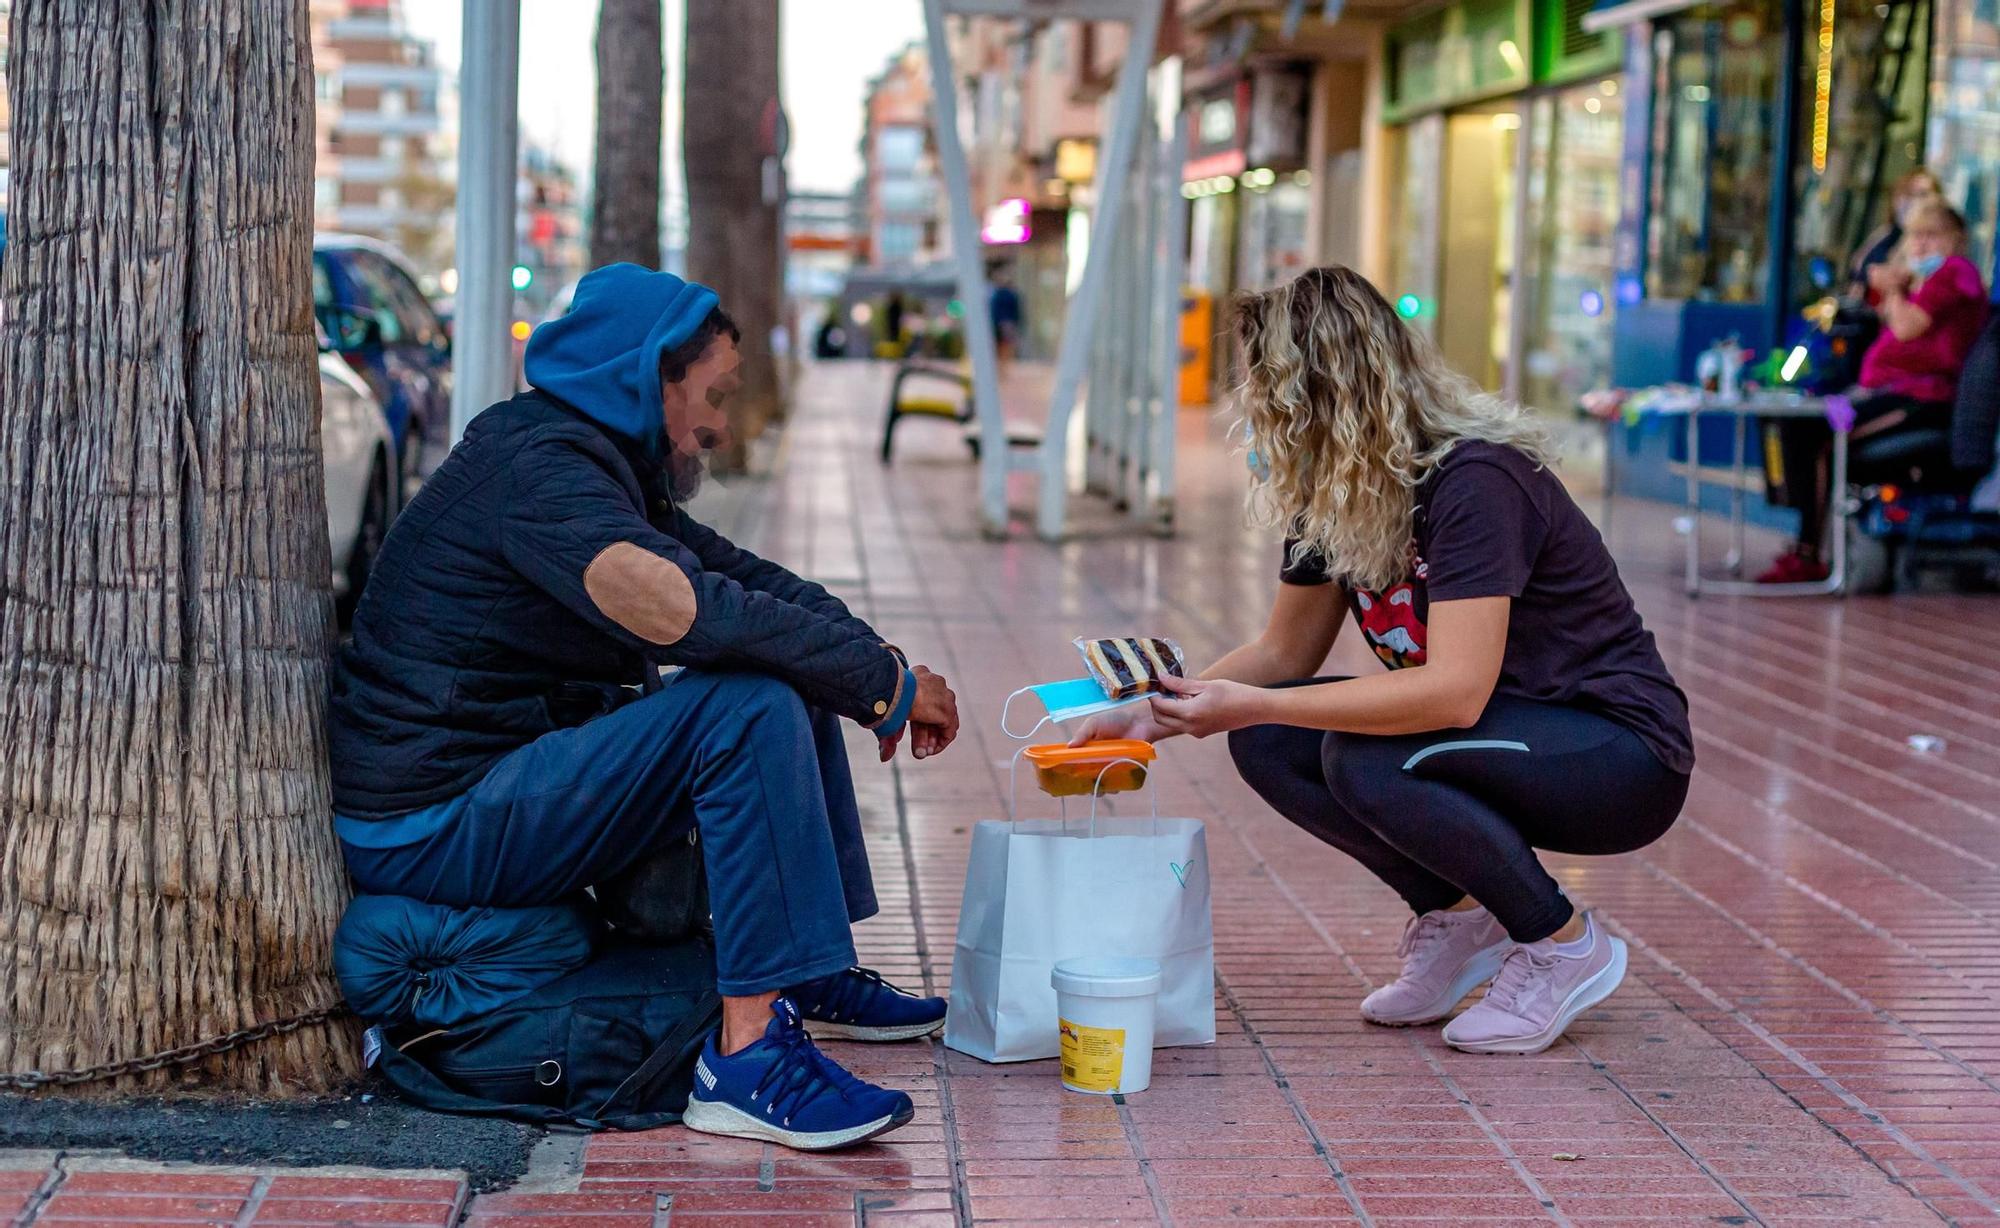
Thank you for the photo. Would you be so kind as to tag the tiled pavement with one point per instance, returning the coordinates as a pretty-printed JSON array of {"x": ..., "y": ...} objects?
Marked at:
[
  {"x": 83, "y": 1194},
  {"x": 1808, "y": 1033}
]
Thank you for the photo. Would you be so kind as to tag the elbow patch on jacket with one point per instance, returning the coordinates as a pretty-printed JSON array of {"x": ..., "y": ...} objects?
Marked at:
[{"x": 641, "y": 592}]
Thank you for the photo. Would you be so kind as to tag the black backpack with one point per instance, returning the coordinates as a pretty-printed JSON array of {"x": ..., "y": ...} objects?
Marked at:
[{"x": 609, "y": 1046}]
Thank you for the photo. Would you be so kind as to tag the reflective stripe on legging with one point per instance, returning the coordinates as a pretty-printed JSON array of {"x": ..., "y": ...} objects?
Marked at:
[{"x": 1476, "y": 744}]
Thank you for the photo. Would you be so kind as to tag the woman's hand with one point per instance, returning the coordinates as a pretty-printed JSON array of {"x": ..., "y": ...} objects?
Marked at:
[
  {"x": 1888, "y": 277},
  {"x": 1200, "y": 708},
  {"x": 1133, "y": 721}
]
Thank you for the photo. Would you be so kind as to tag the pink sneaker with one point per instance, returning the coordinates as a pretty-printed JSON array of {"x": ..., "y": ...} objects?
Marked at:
[
  {"x": 1538, "y": 992},
  {"x": 1446, "y": 955}
]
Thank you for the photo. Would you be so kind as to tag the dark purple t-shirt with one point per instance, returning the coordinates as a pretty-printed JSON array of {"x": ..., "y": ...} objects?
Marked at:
[{"x": 1489, "y": 523}]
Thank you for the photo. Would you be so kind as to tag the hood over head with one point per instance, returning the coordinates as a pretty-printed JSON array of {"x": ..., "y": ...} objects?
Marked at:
[{"x": 602, "y": 357}]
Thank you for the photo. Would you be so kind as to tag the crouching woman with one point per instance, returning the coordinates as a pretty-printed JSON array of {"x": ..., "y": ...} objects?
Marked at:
[{"x": 1525, "y": 707}]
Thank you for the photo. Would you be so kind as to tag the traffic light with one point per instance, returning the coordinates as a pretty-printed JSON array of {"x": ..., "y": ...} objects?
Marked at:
[{"x": 523, "y": 277}]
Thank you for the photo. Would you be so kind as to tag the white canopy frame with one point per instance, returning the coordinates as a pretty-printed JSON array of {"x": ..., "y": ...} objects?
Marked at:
[{"x": 1109, "y": 215}]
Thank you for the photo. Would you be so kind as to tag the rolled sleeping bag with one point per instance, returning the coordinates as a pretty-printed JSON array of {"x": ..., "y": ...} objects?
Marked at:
[{"x": 402, "y": 961}]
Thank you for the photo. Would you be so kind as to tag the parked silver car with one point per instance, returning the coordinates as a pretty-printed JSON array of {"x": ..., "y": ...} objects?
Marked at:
[{"x": 360, "y": 470}]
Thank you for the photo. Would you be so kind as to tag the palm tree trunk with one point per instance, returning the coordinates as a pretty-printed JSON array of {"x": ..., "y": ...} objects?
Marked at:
[
  {"x": 728, "y": 116},
  {"x": 631, "y": 82},
  {"x": 168, "y": 870}
]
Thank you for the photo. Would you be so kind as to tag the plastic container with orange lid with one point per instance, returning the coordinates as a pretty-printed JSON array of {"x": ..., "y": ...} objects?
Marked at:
[{"x": 1116, "y": 766}]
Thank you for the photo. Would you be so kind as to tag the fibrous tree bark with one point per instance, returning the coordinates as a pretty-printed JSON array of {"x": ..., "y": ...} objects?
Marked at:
[
  {"x": 631, "y": 84},
  {"x": 729, "y": 125},
  {"x": 168, "y": 870}
]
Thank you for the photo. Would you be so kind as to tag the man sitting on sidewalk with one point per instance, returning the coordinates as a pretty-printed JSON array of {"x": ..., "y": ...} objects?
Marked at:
[{"x": 501, "y": 735}]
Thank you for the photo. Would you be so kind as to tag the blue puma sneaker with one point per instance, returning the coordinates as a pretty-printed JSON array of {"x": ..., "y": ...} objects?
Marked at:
[
  {"x": 859, "y": 1005},
  {"x": 783, "y": 1090}
]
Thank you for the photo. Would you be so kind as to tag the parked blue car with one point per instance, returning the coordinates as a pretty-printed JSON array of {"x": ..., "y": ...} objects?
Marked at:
[{"x": 381, "y": 324}]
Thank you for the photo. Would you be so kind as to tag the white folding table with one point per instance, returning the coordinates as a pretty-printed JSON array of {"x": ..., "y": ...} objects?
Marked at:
[{"x": 1693, "y": 405}]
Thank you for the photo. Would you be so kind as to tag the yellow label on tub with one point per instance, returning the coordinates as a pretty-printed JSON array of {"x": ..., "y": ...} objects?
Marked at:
[{"x": 1092, "y": 1058}]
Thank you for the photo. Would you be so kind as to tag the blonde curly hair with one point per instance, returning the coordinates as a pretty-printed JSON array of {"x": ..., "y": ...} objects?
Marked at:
[{"x": 1349, "y": 408}]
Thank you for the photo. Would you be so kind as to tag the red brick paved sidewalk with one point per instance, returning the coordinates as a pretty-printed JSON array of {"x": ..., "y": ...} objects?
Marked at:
[{"x": 1808, "y": 1032}]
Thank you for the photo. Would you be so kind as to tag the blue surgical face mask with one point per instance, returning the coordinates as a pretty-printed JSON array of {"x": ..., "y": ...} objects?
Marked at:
[
  {"x": 1260, "y": 469},
  {"x": 1924, "y": 266},
  {"x": 1066, "y": 701}
]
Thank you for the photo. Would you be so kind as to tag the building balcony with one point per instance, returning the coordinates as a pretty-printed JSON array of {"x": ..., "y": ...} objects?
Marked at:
[
  {"x": 391, "y": 76},
  {"x": 377, "y": 123},
  {"x": 371, "y": 170}
]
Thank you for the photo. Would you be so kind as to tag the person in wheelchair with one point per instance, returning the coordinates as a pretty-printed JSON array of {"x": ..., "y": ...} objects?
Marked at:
[{"x": 1933, "y": 305}]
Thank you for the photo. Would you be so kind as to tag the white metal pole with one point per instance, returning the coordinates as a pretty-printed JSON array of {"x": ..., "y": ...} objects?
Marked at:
[
  {"x": 1113, "y": 173},
  {"x": 1146, "y": 233},
  {"x": 1172, "y": 262},
  {"x": 1145, "y": 320},
  {"x": 1127, "y": 283},
  {"x": 994, "y": 460},
  {"x": 489, "y": 83},
  {"x": 1110, "y": 334}
]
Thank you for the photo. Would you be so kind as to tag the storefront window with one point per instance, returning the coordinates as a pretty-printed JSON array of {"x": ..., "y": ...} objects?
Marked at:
[
  {"x": 1860, "y": 129},
  {"x": 1417, "y": 170},
  {"x": 1476, "y": 266},
  {"x": 1714, "y": 128},
  {"x": 1211, "y": 242},
  {"x": 1965, "y": 116},
  {"x": 1274, "y": 233},
  {"x": 1568, "y": 262}
]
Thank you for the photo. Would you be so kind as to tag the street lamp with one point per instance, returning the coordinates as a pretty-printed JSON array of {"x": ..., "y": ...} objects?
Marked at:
[{"x": 488, "y": 150}]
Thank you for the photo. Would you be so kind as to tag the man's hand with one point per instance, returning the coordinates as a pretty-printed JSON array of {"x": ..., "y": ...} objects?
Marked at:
[
  {"x": 1199, "y": 708},
  {"x": 934, "y": 718},
  {"x": 933, "y": 721}
]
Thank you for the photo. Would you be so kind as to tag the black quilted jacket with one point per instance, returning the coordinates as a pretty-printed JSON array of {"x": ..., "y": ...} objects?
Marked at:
[{"x": 474, "y": 635}]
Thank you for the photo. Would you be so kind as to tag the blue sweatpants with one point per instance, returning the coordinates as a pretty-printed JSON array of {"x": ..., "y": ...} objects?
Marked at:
[{"x": 740, "y": 756}]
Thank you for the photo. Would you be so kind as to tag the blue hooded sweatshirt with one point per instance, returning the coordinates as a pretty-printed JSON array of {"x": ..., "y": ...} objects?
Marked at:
[{"x": 603, "y": 356}]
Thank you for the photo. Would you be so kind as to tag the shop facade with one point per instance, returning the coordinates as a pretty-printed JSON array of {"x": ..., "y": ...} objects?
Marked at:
[
  {"x": 1505, "y": 150},
  {"x": 1769, "y": 136},
  {"x": 1963, "y": 132},
  {"x": 1247, "y": 180}
]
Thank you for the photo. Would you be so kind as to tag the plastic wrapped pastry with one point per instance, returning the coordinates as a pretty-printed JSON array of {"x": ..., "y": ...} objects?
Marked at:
[{"x": 1130, "y": 665}]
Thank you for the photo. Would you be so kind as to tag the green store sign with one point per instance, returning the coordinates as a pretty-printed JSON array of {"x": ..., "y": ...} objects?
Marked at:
[{"x": 1474, "y": 50}]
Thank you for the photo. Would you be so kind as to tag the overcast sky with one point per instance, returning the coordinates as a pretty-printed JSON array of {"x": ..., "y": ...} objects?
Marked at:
[{"x": 831, "y": 49}]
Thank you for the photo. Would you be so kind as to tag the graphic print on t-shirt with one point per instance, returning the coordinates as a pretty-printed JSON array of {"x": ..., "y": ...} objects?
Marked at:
[{"x": 1392, "y": 621}]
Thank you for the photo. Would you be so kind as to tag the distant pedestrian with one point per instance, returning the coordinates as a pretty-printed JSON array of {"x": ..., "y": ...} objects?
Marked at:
[
  {"x": 1526, "y": 707},
  {"x": 831, "y": 339},
  {"x": 1004, "y": 305},
  {"x": 892, "y": 320}
]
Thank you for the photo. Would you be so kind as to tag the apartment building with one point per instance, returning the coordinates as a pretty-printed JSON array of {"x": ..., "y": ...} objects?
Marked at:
[{"x": 389, "y": 168}]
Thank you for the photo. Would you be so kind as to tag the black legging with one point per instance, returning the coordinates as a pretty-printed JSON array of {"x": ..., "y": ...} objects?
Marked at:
[
  {"x": 1456, "y": 812},
  {"x": 1805, "y": 444}
]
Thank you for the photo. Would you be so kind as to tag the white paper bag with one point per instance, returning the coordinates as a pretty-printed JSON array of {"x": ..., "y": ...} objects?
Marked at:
[{"x": 1037, "y": 891}]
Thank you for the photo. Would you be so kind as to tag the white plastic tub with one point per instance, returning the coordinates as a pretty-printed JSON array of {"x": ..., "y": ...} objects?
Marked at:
[{"x": 1105, "y": 1012}]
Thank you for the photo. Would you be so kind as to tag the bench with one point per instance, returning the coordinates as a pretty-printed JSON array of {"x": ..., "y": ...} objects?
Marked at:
[{"x": 944, "y": 392}]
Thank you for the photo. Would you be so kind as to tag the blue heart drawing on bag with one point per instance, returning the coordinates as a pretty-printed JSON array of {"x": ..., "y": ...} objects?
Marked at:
[{"x": 1180, "y": 869}]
